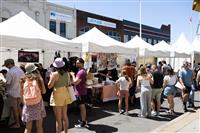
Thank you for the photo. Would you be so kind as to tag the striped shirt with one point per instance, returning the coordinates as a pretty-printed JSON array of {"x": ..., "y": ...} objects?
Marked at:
[{"x": 13, "y": 77}]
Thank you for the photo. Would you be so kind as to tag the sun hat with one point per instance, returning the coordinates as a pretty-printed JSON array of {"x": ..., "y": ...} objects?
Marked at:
[
  {"x": 30, "y": 67},
  {"x": 58, "y": 63}
]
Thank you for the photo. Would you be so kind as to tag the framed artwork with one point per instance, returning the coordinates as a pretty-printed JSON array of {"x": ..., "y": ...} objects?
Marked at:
[{"x": 28, "y": 56}]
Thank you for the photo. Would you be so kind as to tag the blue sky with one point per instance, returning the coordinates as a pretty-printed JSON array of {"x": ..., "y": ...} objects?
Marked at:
[{"x": 153, "y": 13}]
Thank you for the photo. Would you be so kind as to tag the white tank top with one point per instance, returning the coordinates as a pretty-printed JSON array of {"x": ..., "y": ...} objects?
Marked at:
[{"x": 145, "y": 82}]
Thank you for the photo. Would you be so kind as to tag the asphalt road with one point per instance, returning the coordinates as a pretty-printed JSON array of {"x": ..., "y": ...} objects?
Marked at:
[{"x": 104, "y": 118}]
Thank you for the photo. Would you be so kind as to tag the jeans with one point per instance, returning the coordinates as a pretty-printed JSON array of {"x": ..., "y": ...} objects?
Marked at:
[{"x": 191, "y": 96}]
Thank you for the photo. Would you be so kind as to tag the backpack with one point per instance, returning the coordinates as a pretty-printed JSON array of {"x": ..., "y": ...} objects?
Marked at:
[{"x": 32, "y": 94}]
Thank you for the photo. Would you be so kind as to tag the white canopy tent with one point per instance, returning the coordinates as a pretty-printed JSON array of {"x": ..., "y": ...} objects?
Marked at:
[
  {"x": 165, "y": 47},
  {"x": 22, "y": 32},
  {"x": 144, "y": 48},
  {"x": 96, "y": 41},
  {"x": 182, "y": 45},
  {"x": 196, "y": 44}
]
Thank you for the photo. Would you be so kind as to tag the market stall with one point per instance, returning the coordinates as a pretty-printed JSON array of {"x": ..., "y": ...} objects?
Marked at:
[
  {"x": 22, "y": 32},
  {"x": 100, "y": 52}
]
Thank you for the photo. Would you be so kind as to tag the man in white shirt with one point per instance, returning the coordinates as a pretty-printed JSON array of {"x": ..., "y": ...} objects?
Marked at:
[{"x": 13, "y": 77}]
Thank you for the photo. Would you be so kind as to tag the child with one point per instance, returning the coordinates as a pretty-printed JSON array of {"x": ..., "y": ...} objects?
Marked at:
[
  {"x": 32, "y": 111},
  {"x": 124, "y": 83}
]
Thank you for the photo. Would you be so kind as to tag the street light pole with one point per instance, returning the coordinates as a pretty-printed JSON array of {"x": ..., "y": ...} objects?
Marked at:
[{"x": 140, "y": 18}]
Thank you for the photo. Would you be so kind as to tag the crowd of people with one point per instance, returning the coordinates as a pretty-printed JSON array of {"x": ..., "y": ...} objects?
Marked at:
[{"x": 27, "y": 86}]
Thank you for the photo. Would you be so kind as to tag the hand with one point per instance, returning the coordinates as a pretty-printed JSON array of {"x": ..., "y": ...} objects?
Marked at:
[
  {"x": 118, "y": 93},
  {"x": 72, "y": 73}
]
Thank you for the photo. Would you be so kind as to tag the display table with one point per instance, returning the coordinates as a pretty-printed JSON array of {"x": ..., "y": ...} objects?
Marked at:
[
  {"x": 103, "y": 92},
  {"x": 109, "y": 93}
]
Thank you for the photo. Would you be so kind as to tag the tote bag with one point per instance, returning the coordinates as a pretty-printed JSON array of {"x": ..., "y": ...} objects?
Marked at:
[{"x": 71, "y": 93}]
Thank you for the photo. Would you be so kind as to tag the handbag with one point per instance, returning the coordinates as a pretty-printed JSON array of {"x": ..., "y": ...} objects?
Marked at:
[{"x": 71, "y": 93}]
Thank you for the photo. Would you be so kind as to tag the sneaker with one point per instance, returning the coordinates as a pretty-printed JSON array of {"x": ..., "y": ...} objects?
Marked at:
[
  {"x": 141, "y": 116},
  {"x": 121, "y": 112},
  {"x": 170, "y": 112},
  {"x": 82, "y": 124},
  {"x": 185, "y": 110},
  {"x": 192, "y": 106},
  {"x": 158, "y": 113},
  {"x": 126, "y": 113},
  {"x": 153, "y": 113}
]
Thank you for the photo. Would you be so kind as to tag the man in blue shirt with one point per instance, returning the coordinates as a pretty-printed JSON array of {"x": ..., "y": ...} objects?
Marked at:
[{"x": 186, "y": 80}]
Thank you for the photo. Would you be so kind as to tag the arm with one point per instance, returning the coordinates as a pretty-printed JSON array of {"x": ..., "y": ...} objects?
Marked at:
[
  {"x": 76, "y": 79},
  {"x": 181, "y": 80},
  {"x": 22, "y": 86},
  {"x": 150, "y": 77},
  {"x": 138, "y": 83},
  {"x": 41, "y": 84},
  {"x": 198, "y": 78},
  {"x": 52, "y": 80},
  {"x": 164, "y": 82}
]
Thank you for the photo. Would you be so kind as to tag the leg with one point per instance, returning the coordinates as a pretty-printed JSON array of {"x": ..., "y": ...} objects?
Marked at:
[
  {"x": 39, "y": 126},
  {"x": 126, "y": 101},
  {"x": 28, "y": 127},
  {"x": 16, "y": 110},
  {"x": 191, "y": 96},
  {"x": 148, "y": 95},
  {"x": 65, "y": 118},
  {"x": 120, "y": 104},
  {"x": 143, "y": 103},
  {"x": 58, "y": 114},
  {"x": 83, "y": 112},
  {"x": 170, "y": 101},
  {"x": 1, "y": 105}
]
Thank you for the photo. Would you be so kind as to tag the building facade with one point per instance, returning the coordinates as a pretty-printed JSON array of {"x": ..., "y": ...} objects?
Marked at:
[
  {"x": 111, "y": 27},
  {"x": 58, "y": 19},
  {"x": 70, "y": 23},
  {"x": 121, "y": 30},
  {"x": 149, "y": 34}
]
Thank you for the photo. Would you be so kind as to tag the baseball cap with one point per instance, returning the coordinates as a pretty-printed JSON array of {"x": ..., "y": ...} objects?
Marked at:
[{"x": 8, "y": 62}]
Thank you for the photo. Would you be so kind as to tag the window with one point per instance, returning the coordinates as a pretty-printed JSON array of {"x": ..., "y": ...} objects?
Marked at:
[
  {"x": 150, "y": 40},
  {"x": 114, "y": 35},
  {"x": 52, "y": 26},
  {"x": 145, "y": 39},
  {"x": 154, "y": 41},
  {"x": 83, "y": 30},
  {"x": 125, "y": 38},
  {"x": 63, "y": 29}
]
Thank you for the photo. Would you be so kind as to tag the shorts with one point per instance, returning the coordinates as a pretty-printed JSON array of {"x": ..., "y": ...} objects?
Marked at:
[
  {"x": 14, "y": 102},
  {"x": 60, "y": 97},
  {"x": 170, "y": 90},
  {"x": 123, "y": 93},
  {"x": 81, "y": 99},
  {"x": 156, "y": 93}
]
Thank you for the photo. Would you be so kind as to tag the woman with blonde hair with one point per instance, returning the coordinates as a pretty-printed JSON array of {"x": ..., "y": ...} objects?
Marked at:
[
  {"x": 33, "y": 107},
  {"x": 124, "y": 84},
  {"x": 60, "y": 96},
  {"x": 143, "y": 82}
]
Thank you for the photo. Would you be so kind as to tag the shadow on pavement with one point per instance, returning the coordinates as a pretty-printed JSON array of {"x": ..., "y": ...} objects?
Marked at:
[
  {"x": 93, "y": 114},
  {"x": 100, "y": 128},
  {"x": 166, "y": 117}
]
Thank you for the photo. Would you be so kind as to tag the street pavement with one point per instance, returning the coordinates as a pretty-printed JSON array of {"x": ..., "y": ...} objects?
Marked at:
[{"x": 104, "y": 118}]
